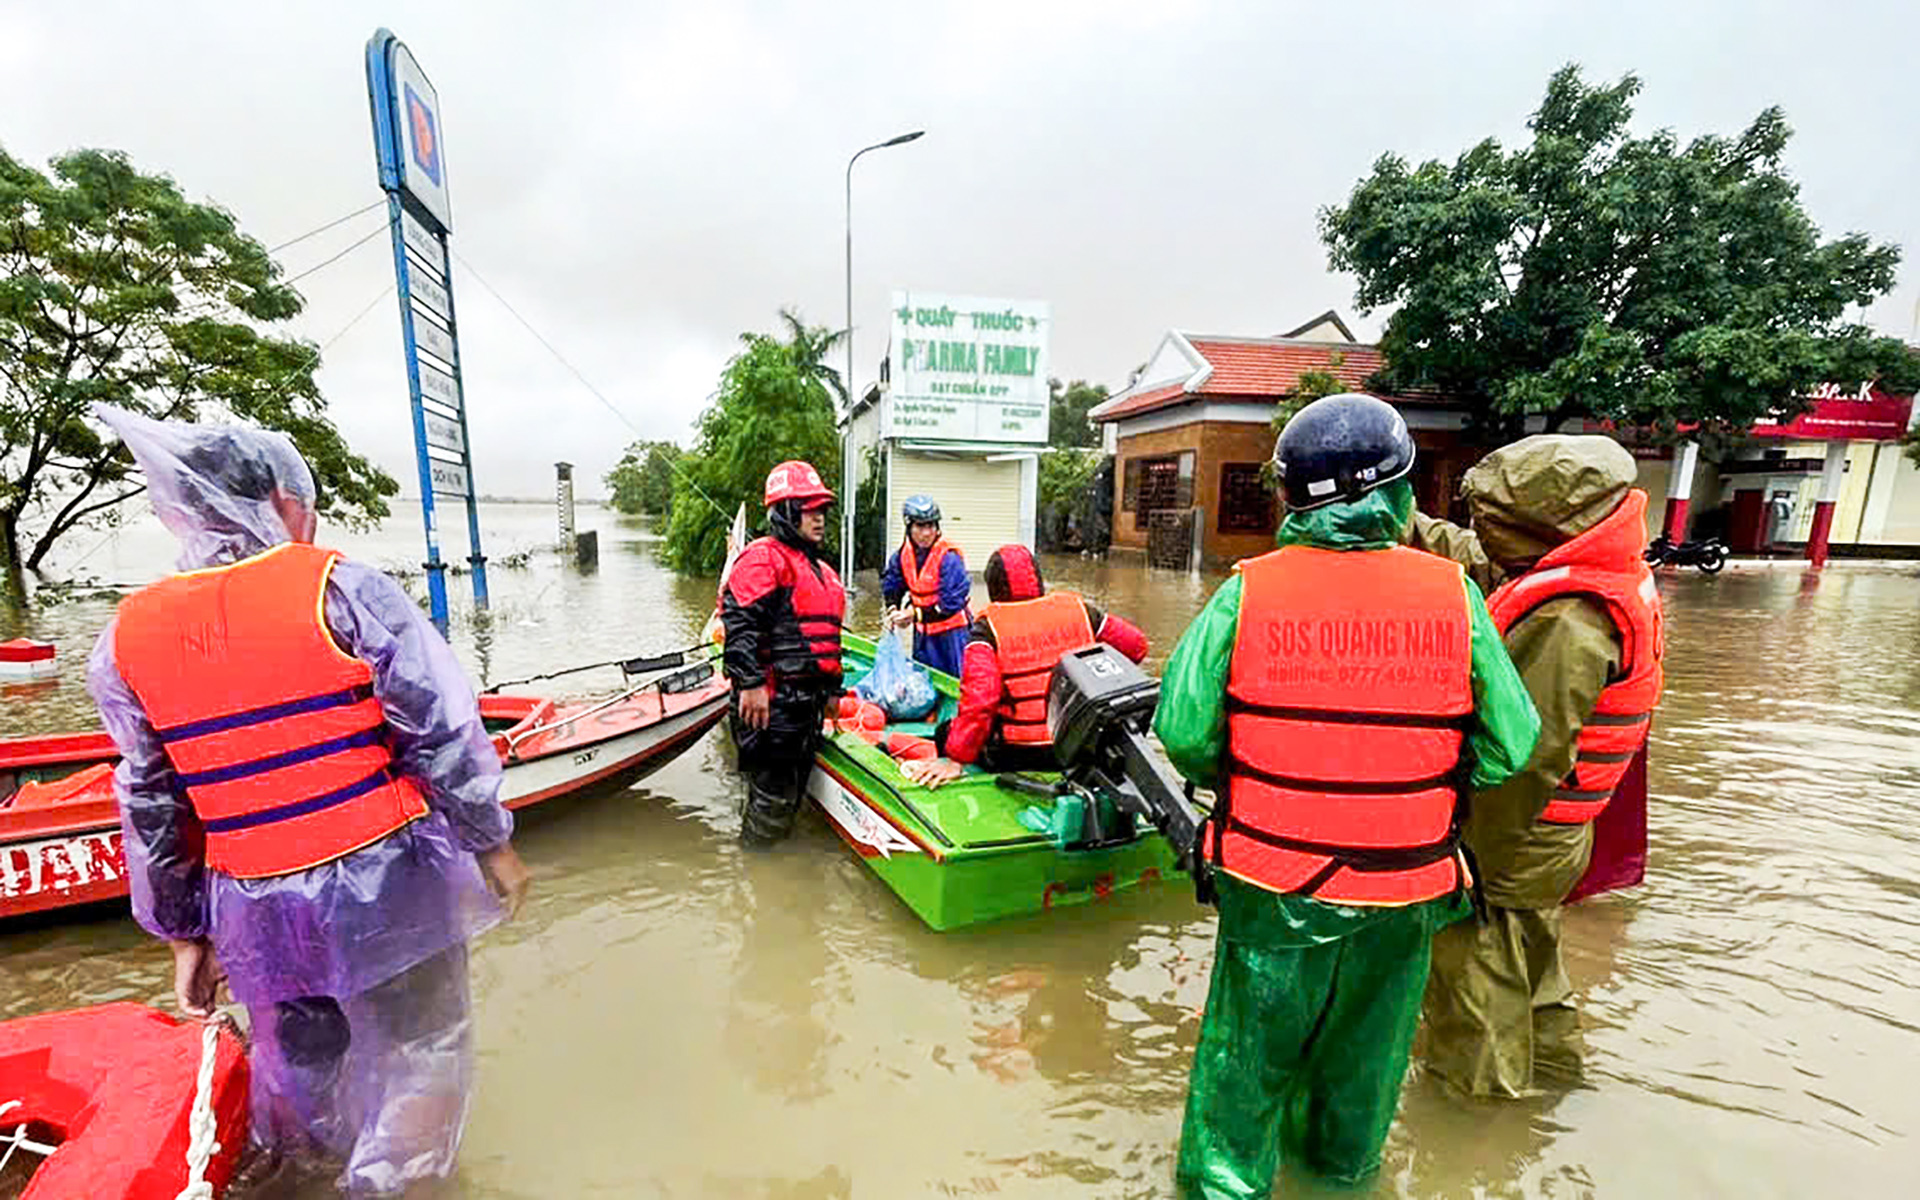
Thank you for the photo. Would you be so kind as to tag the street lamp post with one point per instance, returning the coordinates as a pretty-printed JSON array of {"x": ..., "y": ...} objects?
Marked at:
[{"x": 846, "y": 436}]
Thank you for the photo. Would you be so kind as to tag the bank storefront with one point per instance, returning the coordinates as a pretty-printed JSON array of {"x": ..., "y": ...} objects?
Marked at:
[{"x": 960, "y": 413}]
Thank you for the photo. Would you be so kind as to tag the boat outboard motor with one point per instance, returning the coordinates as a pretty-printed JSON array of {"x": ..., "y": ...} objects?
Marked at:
[{"x": 1099, "y": 708}]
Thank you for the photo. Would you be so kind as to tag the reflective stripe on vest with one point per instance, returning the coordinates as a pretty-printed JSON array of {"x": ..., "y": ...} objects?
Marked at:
[
  {"x": 923, "y": 584},
  {"x": 1348, "y": 697},
  {"x": 1029, "y": 637},
  {"x": 1604, "y": 565},
  {"x": 819, "y": 605},
  {"x": 273, "y": 731}
]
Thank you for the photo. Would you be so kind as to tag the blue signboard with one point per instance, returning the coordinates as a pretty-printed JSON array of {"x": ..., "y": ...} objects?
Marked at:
[{"x": 410, "y": 148}]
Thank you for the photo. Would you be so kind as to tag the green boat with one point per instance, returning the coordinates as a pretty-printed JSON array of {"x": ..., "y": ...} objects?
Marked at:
[{"x": 961, "y": 854}]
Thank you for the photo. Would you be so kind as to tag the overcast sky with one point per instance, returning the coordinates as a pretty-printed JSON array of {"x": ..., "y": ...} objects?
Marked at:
[{"x": 644, "y": 181}]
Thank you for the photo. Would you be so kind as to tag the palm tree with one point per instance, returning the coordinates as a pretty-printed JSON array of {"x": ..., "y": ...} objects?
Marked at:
[{"x": 809, "y": 347}]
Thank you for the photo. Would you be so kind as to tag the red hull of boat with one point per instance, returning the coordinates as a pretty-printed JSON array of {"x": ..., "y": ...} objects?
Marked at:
[
  {"x": 115, "y": 1086},
  {"x": 60, "y": 844}
]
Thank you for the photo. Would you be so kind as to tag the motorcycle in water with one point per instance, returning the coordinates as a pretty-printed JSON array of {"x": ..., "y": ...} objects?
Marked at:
[{"x": 1709, "y": 555}]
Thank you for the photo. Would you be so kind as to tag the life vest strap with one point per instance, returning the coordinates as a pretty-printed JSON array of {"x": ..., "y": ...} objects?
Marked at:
[
  {"x": 1334, "y": 716},
  {"x": 1600, "y": 718},
  {"x": 371, "y": 736},
  {"x": 1358, "y": 858},
  {"x": 271, "y": 712},
  {"x": 1344, "y": 787},
  {"x": 1598, "y": 756},
  {"x": 301, "y": 808}
]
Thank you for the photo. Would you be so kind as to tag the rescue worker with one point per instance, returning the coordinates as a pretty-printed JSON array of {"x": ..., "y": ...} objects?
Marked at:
[
  {"x": 1335, "y": 693},
  {"x": 1557, "y": 522},
  {"x": 929, "y": 572},
  {"x": 782, "y": 608},
  {"x": 310, "y": 804},
  {"x": 1024, "y": 630}
]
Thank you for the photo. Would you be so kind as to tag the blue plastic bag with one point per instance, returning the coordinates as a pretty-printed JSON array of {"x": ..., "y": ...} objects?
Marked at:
[{"x": 897, "y": 683}]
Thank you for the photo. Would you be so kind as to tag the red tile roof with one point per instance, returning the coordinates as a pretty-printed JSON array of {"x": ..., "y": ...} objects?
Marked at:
[
  {"x": 1273, "y": 368},
  {"x": 1264, "y": 368}
]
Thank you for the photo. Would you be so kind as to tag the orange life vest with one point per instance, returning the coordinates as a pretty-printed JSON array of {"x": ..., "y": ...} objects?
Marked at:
[
  {"x": 923, "y": 584},
  {"x": 1603, "y": 565},
  {"x": 1029, "y": 637},
  {"x": 273, "y": 730},
  {"x": 1348, "y": 698}
]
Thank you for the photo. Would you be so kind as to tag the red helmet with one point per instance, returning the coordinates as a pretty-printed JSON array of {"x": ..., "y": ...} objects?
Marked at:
[{"x": 796, "y": 480}]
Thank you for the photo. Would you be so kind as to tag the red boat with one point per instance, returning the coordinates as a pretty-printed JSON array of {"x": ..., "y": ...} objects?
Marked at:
[
  {"x": 112, "y": 1099},
  {"x": 60, "y": 828}
]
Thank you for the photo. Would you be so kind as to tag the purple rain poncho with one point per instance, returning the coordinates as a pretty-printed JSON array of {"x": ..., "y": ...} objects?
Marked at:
[{"x": 346, "y": 928}]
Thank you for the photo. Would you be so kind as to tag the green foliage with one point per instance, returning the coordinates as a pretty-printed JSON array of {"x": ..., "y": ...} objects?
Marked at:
[
  {"x": 1067, "y": 424},
  {"x": 1596, "y": 274},
  {"x": 642, "y": 481},
  {"x": 870, "y": 515},
  {"x": 115, "y": 287},
  {"x": 1066, "y": 479},
  {"x": 774, "y": 403}
]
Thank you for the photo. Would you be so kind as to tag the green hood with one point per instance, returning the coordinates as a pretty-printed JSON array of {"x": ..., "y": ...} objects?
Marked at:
[
  {"x": 1530, "y": 496},
  {"x": 1375, "y": 521}
]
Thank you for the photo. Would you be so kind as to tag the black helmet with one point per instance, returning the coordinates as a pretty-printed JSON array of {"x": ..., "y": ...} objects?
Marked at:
[
  {"x": 921, "y": 510},
  {"x": 1339, "y": 448}
]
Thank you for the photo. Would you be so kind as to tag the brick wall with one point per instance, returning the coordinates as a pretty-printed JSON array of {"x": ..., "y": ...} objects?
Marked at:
[{"x": 1215, "y": 444}]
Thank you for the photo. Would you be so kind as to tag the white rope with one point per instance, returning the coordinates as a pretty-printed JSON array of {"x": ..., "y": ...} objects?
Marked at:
[
  {"x": 201, "y": 1126},
  {"x": 17, "y": 1140}
]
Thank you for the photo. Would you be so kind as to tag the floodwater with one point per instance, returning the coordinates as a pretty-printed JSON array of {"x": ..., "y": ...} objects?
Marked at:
[{"x": 670, "y": 1018}]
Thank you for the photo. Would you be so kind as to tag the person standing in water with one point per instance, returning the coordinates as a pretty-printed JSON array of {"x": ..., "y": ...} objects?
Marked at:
[
  {"x": 310, "y": 805},
  {"x": 1559, "y": 527},
  {"x": 1339, "y": 694},
  {"x": 782, "y": 608}
]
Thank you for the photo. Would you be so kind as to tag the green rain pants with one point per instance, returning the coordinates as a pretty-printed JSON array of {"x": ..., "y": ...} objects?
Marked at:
[
  {"x": 1498, "y": 1004},
  {"x": 1303, "y": 1050}
]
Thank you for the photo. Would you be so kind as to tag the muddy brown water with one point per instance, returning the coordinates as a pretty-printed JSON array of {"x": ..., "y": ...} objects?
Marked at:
[{"x": 670, "y": 1018}]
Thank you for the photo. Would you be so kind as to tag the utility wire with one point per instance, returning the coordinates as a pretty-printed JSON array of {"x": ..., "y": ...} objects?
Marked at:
[
  {"x": 584, "y": 381},
  {"x": 323, "y": 228},
  {"x": 372, "y": 234}
]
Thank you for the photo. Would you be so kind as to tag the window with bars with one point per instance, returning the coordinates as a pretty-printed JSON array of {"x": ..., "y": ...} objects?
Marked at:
[
  {"x": 1246, "y": 503},
  {"x": 1160, "y": 482}
]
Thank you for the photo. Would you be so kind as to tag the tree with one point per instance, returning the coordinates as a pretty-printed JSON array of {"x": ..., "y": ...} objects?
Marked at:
[
  {"x": 774, "y": 403},
  {"x": 1069, "y": 403},
  {"x": 1596, "y": 274},
  {"x": 1066, "y": 479},
  {"x": 116, "y": 288},
  {"x": 642, "y": 481}
]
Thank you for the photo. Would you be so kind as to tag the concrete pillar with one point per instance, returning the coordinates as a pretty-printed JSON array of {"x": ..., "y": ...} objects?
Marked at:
[
  {"x": 1832, "y": 475},
  {"x": 1680, "y": 490},
  {"x": 563, "y": 499}
]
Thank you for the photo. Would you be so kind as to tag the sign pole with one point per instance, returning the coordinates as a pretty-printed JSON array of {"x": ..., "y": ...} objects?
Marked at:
[
  {"x": 408, "y": 137},
  {"x": 436, "y": 569}
]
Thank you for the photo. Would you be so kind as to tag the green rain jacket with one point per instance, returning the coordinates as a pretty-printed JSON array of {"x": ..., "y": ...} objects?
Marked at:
[
  {"x": 1192, "y": 719},
  {"x": 1524, "y": 499}
]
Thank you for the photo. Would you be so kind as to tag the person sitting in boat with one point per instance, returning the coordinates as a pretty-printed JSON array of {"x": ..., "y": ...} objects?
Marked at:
[
  {"x": 782, "y": 607},
  {"x": 929, "y": 571},
  {"x": 1011, "y": 651},
  {"x": 1559, "y": 527},
  {"x": 310, "y": 806}
]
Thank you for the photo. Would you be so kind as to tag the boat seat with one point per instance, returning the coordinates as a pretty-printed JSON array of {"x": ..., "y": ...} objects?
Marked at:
[{"x": 53, "y": 793}]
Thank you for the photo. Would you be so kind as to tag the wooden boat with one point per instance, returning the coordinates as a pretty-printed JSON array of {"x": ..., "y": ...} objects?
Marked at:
[
  {"x": 959, "y": 855},
  {"x": 60, "y": 827},
  {"x": 106, "y": 1096}
]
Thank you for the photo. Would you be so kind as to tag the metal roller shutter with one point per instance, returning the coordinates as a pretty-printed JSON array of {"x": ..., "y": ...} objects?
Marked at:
[{"x": 979, "y": 501}]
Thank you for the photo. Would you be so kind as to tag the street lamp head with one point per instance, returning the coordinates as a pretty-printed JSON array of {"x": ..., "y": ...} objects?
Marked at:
[{"x": 904, "y": 138}]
